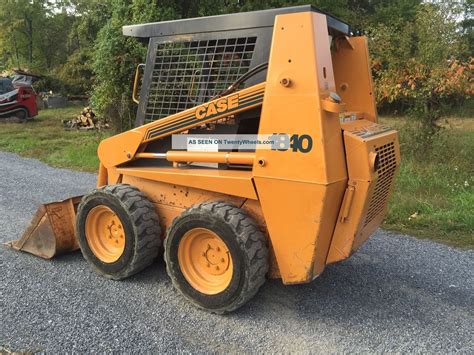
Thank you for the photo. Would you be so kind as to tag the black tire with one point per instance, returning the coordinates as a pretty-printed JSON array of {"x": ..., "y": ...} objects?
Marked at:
[
  {"x": 139, "y": 220},
  {"x": 22, "y": 115},
  {"x": 247, "y": 247}
]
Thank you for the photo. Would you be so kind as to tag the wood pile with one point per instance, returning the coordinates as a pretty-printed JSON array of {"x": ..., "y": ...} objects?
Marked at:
[{"x": 87, "y": 120}]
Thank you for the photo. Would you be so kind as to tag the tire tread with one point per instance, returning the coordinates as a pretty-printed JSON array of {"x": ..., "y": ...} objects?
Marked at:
[
  {"x": 251, "y": 240},
  {"x": 144, "y": 220}
]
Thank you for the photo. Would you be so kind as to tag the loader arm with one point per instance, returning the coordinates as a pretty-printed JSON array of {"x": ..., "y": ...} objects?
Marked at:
[{"x": 124, "y": 147}]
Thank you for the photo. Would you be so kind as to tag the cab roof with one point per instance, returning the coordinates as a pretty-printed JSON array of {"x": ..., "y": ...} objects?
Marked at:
[{"x": 236, "y": 21}]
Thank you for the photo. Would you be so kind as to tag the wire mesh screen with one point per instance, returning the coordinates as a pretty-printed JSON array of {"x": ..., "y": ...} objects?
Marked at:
[{"x": 188, "y": 73}]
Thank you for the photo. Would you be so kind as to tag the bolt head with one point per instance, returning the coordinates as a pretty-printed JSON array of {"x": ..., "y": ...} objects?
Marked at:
[{"x": 285, "y": 82}]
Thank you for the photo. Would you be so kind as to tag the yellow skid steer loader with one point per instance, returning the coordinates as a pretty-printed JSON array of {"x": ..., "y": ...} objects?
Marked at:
[{"x": 230, "y": 217}]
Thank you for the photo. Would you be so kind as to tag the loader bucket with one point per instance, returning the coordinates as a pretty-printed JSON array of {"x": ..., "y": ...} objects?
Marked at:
[{"x": 51, "y": 231}]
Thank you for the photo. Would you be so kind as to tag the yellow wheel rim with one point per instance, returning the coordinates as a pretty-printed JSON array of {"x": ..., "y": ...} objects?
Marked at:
[
  {"x": 105, "y": 234},
  {"x": 205, "y": 261}
]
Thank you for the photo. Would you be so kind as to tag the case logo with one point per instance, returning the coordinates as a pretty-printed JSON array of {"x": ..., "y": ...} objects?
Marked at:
[{"x": 217, "y": 107}]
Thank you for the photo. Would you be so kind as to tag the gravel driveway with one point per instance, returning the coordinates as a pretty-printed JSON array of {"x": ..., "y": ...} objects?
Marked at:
[{"x": 397, "y": 293}]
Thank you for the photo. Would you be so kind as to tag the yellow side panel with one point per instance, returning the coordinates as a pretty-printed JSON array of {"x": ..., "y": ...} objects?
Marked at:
[
  {"x": 350, "y": 58},
  {"x": 170, "y": 200},
  {"x": 300, "y": 52},
  {"x": 300, "y": 191},
  {"x": 231, "y": 182},
  {"x": 373, "y": 158},
  {"x": 348, "y": 223},
  {"x": 167, "y": 215},
  {"x": 300, "y": 220}
]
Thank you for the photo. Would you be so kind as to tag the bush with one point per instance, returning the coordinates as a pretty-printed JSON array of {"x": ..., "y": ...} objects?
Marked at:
[
  {"x": 48, "y": 83},
  {"x": 76, "y": 74},
  {"x": 418, "y": 64},
  {"x": 116, "y": 57}
]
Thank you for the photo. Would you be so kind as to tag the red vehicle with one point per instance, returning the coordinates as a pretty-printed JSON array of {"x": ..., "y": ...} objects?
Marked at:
[{"x": 17, "y": 97}]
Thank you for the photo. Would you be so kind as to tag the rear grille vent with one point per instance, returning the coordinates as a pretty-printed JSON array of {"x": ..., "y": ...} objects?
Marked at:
[
  {"x": 188, "y": 73},
  {"x": 386, "y": 172}
]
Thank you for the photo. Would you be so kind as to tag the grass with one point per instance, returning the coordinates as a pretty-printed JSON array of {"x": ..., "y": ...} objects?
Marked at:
[
  {"x": 433, "y": 198},
  {"x": 434, "y": 195},
  {"x": 45, "y": 139}
]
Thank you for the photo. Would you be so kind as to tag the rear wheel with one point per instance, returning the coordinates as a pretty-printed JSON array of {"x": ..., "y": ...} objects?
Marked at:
[
  {"x": 205, "y": 261},
  {"x": 216, "y": 256},
  {"x": 118, "y": 230}
]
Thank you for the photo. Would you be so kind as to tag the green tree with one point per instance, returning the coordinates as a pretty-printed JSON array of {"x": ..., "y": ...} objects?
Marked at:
[
  {"x": 55, "y": 39},
  {"x": 73, "y": 73},
  {"x": 418, "y": 62},
  {"x": 116, "y": 56},
  {"x": 467, "y": 25},
  {"x": 421, "y": 50},
  {"x": 22, "y": 22},
  {"x": 338, "y": 8}
]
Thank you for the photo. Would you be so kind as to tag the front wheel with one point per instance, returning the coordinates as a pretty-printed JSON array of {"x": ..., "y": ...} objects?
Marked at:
[
  {"x": 118, "y": 230},
  {"x": 216, "y": 256}
]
